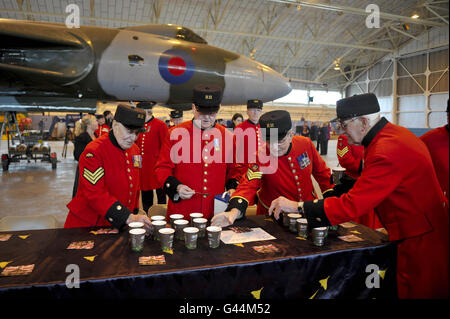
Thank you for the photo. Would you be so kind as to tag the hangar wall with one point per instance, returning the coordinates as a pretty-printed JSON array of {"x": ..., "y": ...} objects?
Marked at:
[{"x": 412, "y": 85}]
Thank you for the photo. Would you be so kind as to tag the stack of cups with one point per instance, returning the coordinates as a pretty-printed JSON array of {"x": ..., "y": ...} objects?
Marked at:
[
  {"x": 200, "y": 223},
  {"x": 155, "y": 218},
  {"x": 302, "y": 227},
  {"x": 193, "y": 216},
  {"x": 174, "y": 217},
  {"x": 179, "y": 225},
  {"x": 318, "y": 235},
  {"x": 293, "y": 222},
  {"x": 214, "y": 236},
  {"x": 157, "y": 225},
  {"x": 166, "y": 235},
  {"x": 190, "y": 237}
]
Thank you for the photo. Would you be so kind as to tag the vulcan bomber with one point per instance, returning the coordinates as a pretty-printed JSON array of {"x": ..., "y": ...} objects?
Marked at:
[{"x": 48, "y": 66}]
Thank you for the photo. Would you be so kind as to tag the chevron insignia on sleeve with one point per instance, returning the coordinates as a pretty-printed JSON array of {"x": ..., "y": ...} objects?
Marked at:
[
  {"x": 342, "y": 152},
  {"x": 89, "y": 155},
  {"x": 253, "y": 175},
  {"x": 93, "y": 177}
]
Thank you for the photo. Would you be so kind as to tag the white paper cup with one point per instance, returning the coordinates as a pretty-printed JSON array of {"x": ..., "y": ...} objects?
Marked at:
[
  {"x": 157, "y": 217},
  {"x": 302, "y": 227},
  {"x": 293, "y": 222},
  {"x": 137, "y": 238},
  {"x": 200, "y": 223},
  {"x": 337, "y": 173},
  {"x": 195, "y": 215},
  {"x": 136, "y": 225},
  {"x": 190, "y": 237},
  {"x": 166, "y": 235},
  {"x": 214, "y": 236},
  {"x": 318, "y": 235},
  {"x": 157, "y": 225},
  {"x": 174, "y": 217},
  {"x": 179, "y": 225}
]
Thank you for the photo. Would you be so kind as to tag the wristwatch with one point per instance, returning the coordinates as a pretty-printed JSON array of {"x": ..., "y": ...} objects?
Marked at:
[{"x": 300, "y": 208}]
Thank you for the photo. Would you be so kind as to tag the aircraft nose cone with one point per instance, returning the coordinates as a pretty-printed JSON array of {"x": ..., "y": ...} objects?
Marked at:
[
  {"x": 248, "y": 79},
  {"x": 275, "y": 85}
]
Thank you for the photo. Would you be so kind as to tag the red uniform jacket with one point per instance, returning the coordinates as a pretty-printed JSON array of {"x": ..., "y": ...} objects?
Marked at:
[
  {"x": 350, "y": 157},
  {"x": 437, "y": 141},
  {"x": 108, "y": 185},
  {"x": 150, "y": 144},
  {"x": 290, "y": 178},
  {"x": 399, "y": 182},
  {"x": 204, "y": 160},
  {"x": 102, "y": 130},
  {"x": 248, "y": 140}
]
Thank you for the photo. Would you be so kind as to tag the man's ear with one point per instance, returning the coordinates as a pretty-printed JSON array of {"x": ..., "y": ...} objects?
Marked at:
[
  {"x": 292, "y": 133},
  {"x": 365, "y": 123}
]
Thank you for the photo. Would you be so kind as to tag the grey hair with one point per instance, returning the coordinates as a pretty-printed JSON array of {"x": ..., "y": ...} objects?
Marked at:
[{"x": 371, "y": 118}]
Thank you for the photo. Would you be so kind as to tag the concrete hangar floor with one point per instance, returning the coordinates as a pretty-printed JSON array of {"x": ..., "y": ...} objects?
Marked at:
[{"x": 36, "y": 189}]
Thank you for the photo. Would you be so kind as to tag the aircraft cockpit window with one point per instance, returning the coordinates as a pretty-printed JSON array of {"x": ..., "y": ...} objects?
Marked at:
[{"x": 188, "y": 35}]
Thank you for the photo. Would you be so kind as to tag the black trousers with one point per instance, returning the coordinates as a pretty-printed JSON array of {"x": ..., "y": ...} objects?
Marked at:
[
  {"x": 147, "y": 198},
  {"x": 75, "y": 184},
  {"x": 323, "y": 146}
]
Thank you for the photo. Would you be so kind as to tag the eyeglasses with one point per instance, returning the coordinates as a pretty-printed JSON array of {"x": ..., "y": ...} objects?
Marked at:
[
  {"x": 344, "y": 124},
  {"x": 135, "y": 131}
]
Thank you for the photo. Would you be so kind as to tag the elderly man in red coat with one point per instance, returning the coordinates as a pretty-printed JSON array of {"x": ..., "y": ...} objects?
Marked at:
[
  {"x": 437, "y": 141},
  {"x": 248, "y": 136},
  {"x": 150, "y": 143},
  {"x": 398, "y": 181},
  {"x": 197, "y": 159},
  {"x": 108, "y": 191},
  {"x": 350, "y": 157},
  {"x": 285, "y": 171}
]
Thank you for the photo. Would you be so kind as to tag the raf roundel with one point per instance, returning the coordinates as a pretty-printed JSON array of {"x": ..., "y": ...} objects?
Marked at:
[{"x": 176, "y": 66}]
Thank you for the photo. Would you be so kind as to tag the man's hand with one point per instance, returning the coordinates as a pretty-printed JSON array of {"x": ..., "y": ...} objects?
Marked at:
[
  {"x": 142, "y": 212},
  {"x": 282, "y": 204},
  {"x": 225, "y": 219},
  {"x": 185, "y": 192},
  {"x": 231, "y": 191},
  {"x": 140, "y": 218}
]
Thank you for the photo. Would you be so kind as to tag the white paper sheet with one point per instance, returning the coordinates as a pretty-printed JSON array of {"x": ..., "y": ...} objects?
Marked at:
[{"x": 257, "y": 234}]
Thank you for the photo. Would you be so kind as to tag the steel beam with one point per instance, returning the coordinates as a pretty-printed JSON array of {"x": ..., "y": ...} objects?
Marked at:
[{"x": 357, "y": 11}]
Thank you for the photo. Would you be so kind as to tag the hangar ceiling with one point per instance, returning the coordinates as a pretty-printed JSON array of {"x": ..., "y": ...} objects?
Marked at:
[{"x": 303, "y": 40}]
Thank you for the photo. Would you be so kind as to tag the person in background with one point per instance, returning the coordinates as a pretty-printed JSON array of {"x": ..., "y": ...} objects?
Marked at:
[
  {"x": 295, "y": 158},
  {"x": 84, "y": 134},
  {"x": 150, "y": 143},
  {"x": 313, "y": 132},
  {"x": 108, "y": 118},
  {"x": 221, "y": 122},
  {"x": 305, "y": 130},
  {"x": 323, "y": 137},
  {"x": 398, "y": 181},
  {"x": 236, "y": 120},
  {"x": 248, "y": 136},
  {"x": 103, "y": 128},
  {"x": 110, "y": 166},
  {"x": 176, "y": 117},
  {"x": 205, "y": 167},
  {"x": 437, "y": 142}
]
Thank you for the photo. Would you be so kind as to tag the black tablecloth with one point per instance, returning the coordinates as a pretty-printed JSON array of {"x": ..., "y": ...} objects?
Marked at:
[{"x": 298, "y": 270}]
